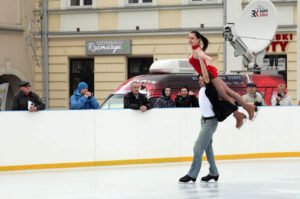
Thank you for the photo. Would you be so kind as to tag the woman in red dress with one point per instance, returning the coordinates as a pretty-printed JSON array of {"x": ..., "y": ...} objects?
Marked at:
[{"x": 198, "y": 57}]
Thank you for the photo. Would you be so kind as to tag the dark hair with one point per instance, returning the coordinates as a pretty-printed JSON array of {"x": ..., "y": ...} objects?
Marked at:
[
  {"x": 202, "y": 38},
  {"x": 164, "y": 90},
  {"x": 186, "y": 87}
]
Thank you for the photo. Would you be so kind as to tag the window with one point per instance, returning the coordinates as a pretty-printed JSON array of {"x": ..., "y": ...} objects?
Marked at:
[
  {"x": 139, "y": 66},
  {"x": 276, "y": 63},
  {"x": 87, "y": 2},
  {"x": 114, "y": 101},
  {"x": 81, "y": 70},
  {"x": 81, "y": 3},
  {"x": 140, "y": 2},
  {"x": 75, "y": 2}
]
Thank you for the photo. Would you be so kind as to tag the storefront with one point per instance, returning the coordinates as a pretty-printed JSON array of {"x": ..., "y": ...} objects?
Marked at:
[
  {"x": 106, "y": 62},
  {"x": 281, "y": 59},
  {"x": 155, "y": 30}
]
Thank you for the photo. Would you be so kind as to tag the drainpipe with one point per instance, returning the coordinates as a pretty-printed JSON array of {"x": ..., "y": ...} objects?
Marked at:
[
  {"x": 224, "y": 43},
  {"x": 298, "y": 52},
  {"x": 46, "y": 54},
  {"x": 44, "y": 45}
]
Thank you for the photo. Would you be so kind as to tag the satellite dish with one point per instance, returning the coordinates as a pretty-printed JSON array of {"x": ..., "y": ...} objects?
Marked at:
[
  {"x": 257, "y": 25},
  {"x": 254, "y": 31}
]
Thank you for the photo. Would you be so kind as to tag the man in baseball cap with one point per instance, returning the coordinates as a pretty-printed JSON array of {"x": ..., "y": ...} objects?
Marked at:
[{"x": 252, "y": 96}]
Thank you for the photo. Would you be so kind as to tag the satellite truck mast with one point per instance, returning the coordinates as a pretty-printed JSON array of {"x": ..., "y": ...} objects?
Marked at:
[{"x": 253, "y": 33}]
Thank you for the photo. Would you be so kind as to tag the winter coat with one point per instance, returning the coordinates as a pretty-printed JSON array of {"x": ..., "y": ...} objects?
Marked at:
[
  {"x": 78, "y": 101},
  {"x": 254, "y": 98},
  {"x": 188, "y": 101},
  {"x": 130, "y": 101},
  {"x": 164, "y": 102},
  {"x": 20, "y": 101},
  {"x": 285, "y": 100}
]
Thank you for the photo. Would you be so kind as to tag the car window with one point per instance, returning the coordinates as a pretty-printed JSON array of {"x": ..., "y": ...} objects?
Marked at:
[{"x": 115, "y": 101}]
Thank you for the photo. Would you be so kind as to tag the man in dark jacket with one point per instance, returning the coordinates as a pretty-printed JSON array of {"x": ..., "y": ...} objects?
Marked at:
[
  {"x": 187, "y": 98},
  {"x": 26, "y": 99},
  {"x": 136, "y": 100}
]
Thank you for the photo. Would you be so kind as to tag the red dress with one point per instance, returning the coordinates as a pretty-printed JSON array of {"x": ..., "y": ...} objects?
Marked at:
[{"x": 196, "y": 64}]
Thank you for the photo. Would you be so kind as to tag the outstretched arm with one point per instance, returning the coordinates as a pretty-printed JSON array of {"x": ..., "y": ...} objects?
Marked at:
[{"x": 201, "y": 54}]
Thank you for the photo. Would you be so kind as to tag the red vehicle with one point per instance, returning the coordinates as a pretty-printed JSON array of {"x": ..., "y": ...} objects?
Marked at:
[{"x": 164, "y": 72}]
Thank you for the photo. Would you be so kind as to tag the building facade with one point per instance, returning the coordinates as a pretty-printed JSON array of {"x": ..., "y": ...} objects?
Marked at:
[
  {"x": 155, "y": 29},
  {"x": 16, "y": 63}
]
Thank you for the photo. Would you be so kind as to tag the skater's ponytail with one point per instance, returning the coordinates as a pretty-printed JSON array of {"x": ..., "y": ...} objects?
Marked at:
[{"x": 202, "y": 38}]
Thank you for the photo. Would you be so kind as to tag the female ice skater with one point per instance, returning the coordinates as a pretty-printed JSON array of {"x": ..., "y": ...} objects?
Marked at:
[{"x": 195, "y": 38}]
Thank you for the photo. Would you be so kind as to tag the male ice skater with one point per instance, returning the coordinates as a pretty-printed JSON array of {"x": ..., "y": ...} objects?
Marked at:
[
  {"x": 213, "y": 110},
  {"x": 209, "y": 123}
]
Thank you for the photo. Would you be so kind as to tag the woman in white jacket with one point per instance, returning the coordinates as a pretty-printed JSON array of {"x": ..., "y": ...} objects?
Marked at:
[{"x": 281, "y": 98}]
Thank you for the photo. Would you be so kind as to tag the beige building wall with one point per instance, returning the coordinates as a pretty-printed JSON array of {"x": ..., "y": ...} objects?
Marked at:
[
  {"x": 54, "y": 23},
  {"x": 111, "y": 71},
  {"x": 169, "y": 19},
  {"x": 53, "y": 4},
  {"x": 108, "y": 21},
  {"x": 169, "y": 2},
  {"x": 108, "y": 3},
  {"x": 295, "y": 14},
  {"x": 16, "y": 62},
  {"x": 15, "y": 54},
  {"x": 292, "y": 68}
]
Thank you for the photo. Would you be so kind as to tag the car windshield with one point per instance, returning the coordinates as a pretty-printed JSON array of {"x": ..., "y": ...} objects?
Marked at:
[{"x": 113, "y": 102}]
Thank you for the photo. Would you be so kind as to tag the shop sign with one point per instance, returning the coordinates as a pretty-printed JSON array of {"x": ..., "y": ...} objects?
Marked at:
[
  {"x": 280, "y": 41},
  {"x": 108, "y": 47}
]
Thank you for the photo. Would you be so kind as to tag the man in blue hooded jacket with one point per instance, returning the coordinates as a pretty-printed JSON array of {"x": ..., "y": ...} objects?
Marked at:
[{"x": 82, "y": 98}]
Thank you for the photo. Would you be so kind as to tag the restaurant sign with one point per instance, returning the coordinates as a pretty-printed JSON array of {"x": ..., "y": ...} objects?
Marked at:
[{"x": 108, "y": 47}]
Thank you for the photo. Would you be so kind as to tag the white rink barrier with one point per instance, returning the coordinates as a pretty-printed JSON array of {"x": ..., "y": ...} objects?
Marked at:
[{"x": 65, "y": 138}]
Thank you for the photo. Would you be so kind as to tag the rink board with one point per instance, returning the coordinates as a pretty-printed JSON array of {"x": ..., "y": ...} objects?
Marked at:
[{"x": 64, "y": 138}]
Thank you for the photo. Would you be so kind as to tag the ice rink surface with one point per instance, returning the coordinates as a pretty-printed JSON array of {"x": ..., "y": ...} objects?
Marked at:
[{"x": 242, "y": 179}]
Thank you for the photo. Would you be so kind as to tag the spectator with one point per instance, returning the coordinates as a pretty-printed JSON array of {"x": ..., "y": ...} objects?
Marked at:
[
  {"x": 82, "y": 98},
  {"x": 187, "y": 98},
  {"x": 165, "y": 101},
  {"x": 253, "y": 97},
  {"x": 281, "y": 98},
  {"x": 26, "y": 99},
  {"x": 136, "y": 100}
]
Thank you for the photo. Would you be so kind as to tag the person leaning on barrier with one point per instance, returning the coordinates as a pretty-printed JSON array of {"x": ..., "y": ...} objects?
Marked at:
[
  {"x": 26, "y": 99},
  {"x": 282, "y": 98},
  {"x": 82, "y": 98},
  {"x": 135, "y": 100},
  {"x": 253, "y": 97},
  {"x": 165, "y": 101},
  {"x": 187, "y": 98}
]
